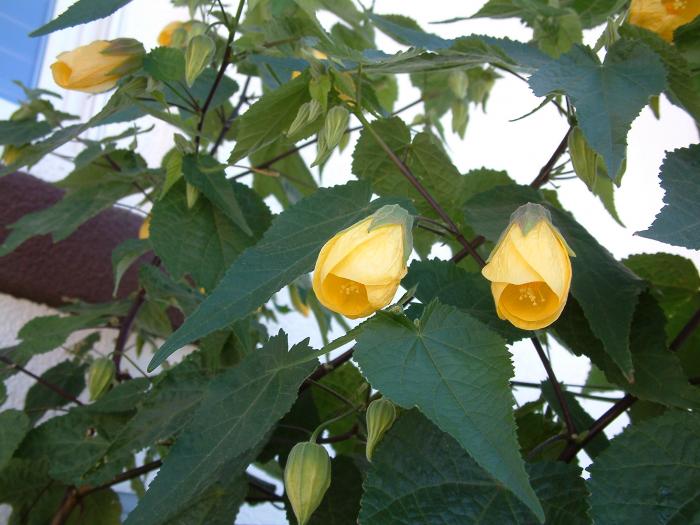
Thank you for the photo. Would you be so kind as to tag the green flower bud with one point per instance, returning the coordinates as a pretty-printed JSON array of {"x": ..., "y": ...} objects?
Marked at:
[
  {"x": 583, "y": 157},
  {"x": 100, "y": 376},
  {"x": 199, "y": 52},
  {"x": 191, "y": 195},
  {"x": 458, "y": 82},
  {"x": 335, "y": 126},
  {"x": 381, "y": 414},
  {"x": 307, "y": 477}
]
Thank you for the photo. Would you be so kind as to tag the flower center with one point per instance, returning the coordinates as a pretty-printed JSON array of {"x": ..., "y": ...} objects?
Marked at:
[
  {"x": 527, "y": 292},
  {"x": 673, "y": 7},
  {"x": 529, "y": 301},
  {"x": 350, "y": 288}
]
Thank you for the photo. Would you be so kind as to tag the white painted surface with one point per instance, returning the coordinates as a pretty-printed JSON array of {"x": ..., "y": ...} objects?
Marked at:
[{"x": 491, "y": 141}]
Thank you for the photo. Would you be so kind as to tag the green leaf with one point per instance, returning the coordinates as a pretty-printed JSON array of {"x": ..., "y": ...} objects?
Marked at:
[
  {"x": 201, "y": 241},
  {"x": 421, "y": 475},
  {"x": 19, "y": 132},
  {"x": 406, "y": 31},
  {"x": 165, "y": 64},
  {"x": 239, "y": 408},
  {"x": 164, "y": 411},
  {"x": 81, "y": 12},
  {"x": 97, "y": 188},
  {"x": 68, "y": 375},
  {"x": 124, "y": 255},
  {"x": 423, "y": 155},
  {"x": 26, "y": 486},
  {"x": 678, "y": 222},
  {"x": 124, "y": 397},
  {"x": 43, "y": 334},
  {"x": 457, "y": 372},
  {"x": 218, "y": 505},
  {"x": 13, "y": 427},
  {"x": 581, "y": 419},
  {"x": 99, "y": 508},
  {"x": 650, "y": 473},
  {"x": 205, "y": 174},
  {"x": 452, "y": 285},
  {"x": 607, "y": 96},
  {"x": 269, "y": 117},
  {"x": 288, "y": 249},
  {"x": 683, "y": 84},
  {"x": 659, "y": 376},
  {"x": 341, "y": 504},
  {"x": 606, "y": 290}
]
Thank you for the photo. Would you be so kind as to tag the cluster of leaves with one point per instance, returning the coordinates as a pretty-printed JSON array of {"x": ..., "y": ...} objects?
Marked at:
[{"x": 459, "y": 452}]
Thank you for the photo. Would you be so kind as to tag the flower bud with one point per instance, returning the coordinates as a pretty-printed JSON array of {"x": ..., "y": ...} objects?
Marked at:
[
  {"x": 359, "y": 270},
  {"x": 663, "y": 16},
  {"x": 530, "y": 270},
  {"x": 98, "y": 66},
  {"x": 336, "y": 124},
  {"x": 191, "y": 195},
  {"x": 174, "y": 34},
  {"x": 100, "y": 376},
  {"x": 458, "y": 82},
  {"x": 583, "y": 158},
  {"x": 199, "y": 52},
  {"x": 145, "y": 229},
  {"x": 381, "y": 414},
  {"x": 307, "y": 477}
]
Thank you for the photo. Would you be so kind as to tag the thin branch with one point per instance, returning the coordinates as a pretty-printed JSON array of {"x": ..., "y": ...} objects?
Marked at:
[
  {"x": 229, "y": 121},
  {"x": 413, "y": 180},
  {"x": 219, "y": 76},
  {"x": 57, "y": 389},
  {"x": 546, "y": 171},
  {"x": 568, "y": 421},
  {"x": 340, "y": 437},
  {"x": 332, "y": 392},
  {"x": 685, "y": 332},
  {"x": 325, "y": 369},
  {"x": 124, "y": 330}
]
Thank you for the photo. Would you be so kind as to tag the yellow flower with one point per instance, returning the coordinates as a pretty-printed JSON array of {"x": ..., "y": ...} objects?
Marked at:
[
  {"x": 320, "y": 55},
  {"x": 145, "y": 229},
  {"x": 359, "y": 270},
  {"x": 165, "y": 37},
  {"x": 98, "y": 66},
  {"x": 530, "y": 270},
  {"x": 296, "y": 74},
  {"x": 663, "y": 16}
]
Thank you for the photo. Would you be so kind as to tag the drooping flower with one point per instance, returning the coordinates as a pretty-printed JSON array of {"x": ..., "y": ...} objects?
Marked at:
[
  {"x": 530, "y": 270},
  {"x": 359, "y": 270},
  {"x": 165, "y": 37},
  {"x": 663, "y": 16},
  {"x": 97, "y": 67}
]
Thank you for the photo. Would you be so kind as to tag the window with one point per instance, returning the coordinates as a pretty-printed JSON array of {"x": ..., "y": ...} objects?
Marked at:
[{"x": 21, "y": 56}]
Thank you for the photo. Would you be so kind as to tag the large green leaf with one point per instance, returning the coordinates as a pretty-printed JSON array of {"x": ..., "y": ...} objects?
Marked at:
[
  {"x": 650, "y": 473},
  {"x": 99, "y": 508},
  {"x": 239, "y": 408},
  {"x": 679, "y": 220},
  {"x": 68, "y": 375},
  {"x": 423, "y": 155},
  {"x": 27, "y": 487},
  {"x": 659, "y": 376},
  {"x": 90, "y": 190},
  {"x": 288, "y": 249},
  {"x": 46, "y": 333},
  {"x": 205, "y": 174},
  {"x": 81, "y": 12},
  {"x": 218, "y": 505},
  {"x": 607, "y": 96},
  {"x": 18, "y": 132},
  {"x": 13, "y": 426},
  {"x": 453, "y": 285},
  {"x": 269, "y": 117},
  {"x": 202, "y": 241},
  {"x": 606, "y": 290},
  {"x": 421, "y": 475},
  {"x": 457, "y": 372}
]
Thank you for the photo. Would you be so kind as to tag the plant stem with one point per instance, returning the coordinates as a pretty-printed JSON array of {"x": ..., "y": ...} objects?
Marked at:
[
  {"x": 546, "y": 171},
  {"x": 124, "y": 329},
  {"x": 219, "y": 76},
  {"x": 229, "y": 121},
  {"x": 570, "y": 427},
  {"x": 326, "y": 369},
  {"x": 413, "y": 180},
  {"x": 57, "y": 389}
]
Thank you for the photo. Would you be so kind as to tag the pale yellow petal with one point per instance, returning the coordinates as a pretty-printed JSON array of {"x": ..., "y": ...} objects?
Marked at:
[
  {"x": 376, "y": 261},
  {"x": 506, "y": 265},
  {"x": 381, "y": 295}
]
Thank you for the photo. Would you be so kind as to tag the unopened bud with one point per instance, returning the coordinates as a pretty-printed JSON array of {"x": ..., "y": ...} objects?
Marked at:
[
  {"x": 381, "y": 414},
  {"x": 199, "y": 52},
  {"x": 100, "y": 376},
  {"x": 191, "y": 195},
  {"x": 583, "y": 158},
  {"x": 307, "y": 477},
  {"x": 458, "y": 82},
  {"x": 335, "y": 126}
]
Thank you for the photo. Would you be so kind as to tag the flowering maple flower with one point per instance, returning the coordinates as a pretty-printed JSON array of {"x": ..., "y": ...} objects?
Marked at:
[
  {"x": 359, "y": 270},
  {"x": 663, "y": 16},
  {"x": 530, "y": 270},
  {"x": 98, "y": 66}
]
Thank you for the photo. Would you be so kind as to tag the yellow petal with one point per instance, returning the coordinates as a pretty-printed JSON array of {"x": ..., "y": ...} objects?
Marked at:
[
  {"x": 506, "y": 265},
  {"x": 87, "y": 69},
  {"x": 165, "y": 37},
  {"x": 663, "y": 16},
  {"x": 378, "y": 260}
]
